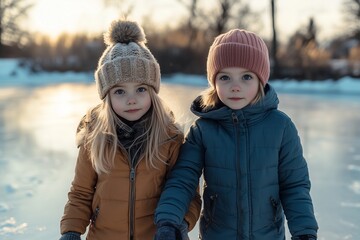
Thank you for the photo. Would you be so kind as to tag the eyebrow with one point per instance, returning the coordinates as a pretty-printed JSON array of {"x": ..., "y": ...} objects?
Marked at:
[
  {"x": 222, "y": 72},
  {"x": 137, "y": 85},
  {"x": 245, "y": 72}
]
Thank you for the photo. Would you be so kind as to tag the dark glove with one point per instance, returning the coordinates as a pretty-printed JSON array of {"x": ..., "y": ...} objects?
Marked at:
[
  {"x": 167, "y": 230},
  {"x": 184, "y": 229},
  {"x": 70, "y": 236},
  {"x": 305, "y": 237}
]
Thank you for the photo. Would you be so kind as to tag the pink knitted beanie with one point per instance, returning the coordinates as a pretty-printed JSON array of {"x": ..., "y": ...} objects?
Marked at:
[{"x": 238, "y": 48}]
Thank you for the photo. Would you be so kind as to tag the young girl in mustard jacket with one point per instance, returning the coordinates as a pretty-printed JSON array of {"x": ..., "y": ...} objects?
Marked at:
[{"x": 127, "y": 145}]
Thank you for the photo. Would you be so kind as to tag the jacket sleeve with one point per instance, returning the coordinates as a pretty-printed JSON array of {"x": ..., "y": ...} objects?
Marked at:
[
  {"x": 193, "y": 214},
  {"x": 181, "y": 190},
  {"x": 77, "y": 211},
  {"x": 295, "y": 185}
]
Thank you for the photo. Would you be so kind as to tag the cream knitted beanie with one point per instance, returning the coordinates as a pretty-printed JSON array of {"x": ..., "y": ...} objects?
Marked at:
[
  {"x": 126, "y": 59},
  {"x": 238, "y": 48}
]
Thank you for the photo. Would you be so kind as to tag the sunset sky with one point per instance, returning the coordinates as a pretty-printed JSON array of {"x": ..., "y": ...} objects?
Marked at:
[{"x": 56, "y": 16}]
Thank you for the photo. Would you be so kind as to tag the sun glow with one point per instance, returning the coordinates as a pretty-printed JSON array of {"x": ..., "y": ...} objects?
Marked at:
[
  {"x": 53, "y": 17},
  {"x": 52, "y": 114}
]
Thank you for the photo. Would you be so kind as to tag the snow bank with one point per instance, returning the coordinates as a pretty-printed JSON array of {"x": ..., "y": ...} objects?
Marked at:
[{"x": 11, "y": 74}]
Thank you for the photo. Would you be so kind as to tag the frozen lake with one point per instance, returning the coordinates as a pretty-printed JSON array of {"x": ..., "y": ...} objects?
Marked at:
[{"x": 38, "y": 153}]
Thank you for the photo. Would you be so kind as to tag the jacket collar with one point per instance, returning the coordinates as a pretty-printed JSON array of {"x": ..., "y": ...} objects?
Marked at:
[{"x": 127, "y": 134}]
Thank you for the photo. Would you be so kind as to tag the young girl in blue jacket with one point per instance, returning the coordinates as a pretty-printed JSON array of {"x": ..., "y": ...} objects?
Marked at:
[{"x": 248, "y": 151}]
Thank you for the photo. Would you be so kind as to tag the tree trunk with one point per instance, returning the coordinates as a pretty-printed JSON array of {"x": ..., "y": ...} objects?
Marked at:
[
  {"x": 275, "y": 68},
  {"x": 1, "y": 30}
]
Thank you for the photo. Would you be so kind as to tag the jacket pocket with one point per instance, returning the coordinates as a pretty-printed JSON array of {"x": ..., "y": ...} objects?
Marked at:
[
  {"x": 94, "y": 216},
  {"x": 278, "y": 219},
  {"x": 92, "y": 227},
  {"x": 208, "y": 214}
]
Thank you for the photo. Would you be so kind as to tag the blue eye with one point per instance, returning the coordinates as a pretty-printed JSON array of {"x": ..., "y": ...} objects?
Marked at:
[
  {"x": 247, "y": 77},
  {"x": 224, "y": 78},
  {"x": 119, "y": 91},
  {"x": 142, "y": 89}
]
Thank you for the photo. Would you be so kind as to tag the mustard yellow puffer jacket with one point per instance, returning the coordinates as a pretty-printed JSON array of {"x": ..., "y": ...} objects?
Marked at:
[{"x": 104, "y": 202}]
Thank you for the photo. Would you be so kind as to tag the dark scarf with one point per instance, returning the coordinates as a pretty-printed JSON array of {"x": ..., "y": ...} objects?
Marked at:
[{"x": 131, "y": 137}]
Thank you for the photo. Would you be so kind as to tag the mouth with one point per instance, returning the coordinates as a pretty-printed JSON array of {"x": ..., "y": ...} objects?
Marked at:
[
  {"x": 236, "y": 98},
  {"x": 132, "y": 110}
]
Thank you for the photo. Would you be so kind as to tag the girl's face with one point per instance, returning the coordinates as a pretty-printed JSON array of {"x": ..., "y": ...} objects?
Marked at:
[
  {"x": 236, "y": 87},
  {"x": 130, "y": 100}
]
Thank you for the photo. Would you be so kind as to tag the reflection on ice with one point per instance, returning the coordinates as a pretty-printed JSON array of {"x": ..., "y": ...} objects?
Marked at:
[
  {"x": 10, "y": 226},
  {"x": 38, "y": 153},
  {"x": 4, "y": 207},
  {"x": 350, "y": 205},
  {"x": 355, "y": 187},
  {"x": 50, "y": 114},
  {"x": 354, "y": 168}
]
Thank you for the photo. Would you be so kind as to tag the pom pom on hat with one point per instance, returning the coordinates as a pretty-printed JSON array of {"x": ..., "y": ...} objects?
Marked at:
[
  {"x": 124, "y": 32},
  {"x": 238, "y": 48},
  {"x": 126, "y": 59}
]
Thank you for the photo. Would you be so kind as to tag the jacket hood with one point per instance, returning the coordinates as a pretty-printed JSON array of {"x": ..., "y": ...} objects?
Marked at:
[{"x": 249, "y": 114}]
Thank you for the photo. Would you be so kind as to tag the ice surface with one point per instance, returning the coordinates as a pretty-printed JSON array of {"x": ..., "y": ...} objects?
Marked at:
[{"x": 39, "y": 114}]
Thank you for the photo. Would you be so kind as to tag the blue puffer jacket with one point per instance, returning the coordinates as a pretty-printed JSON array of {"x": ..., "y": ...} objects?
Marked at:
[{"x": 254, "y": 172}]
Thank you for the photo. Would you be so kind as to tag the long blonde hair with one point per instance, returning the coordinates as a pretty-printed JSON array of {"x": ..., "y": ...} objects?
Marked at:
[
  {"x": 101, "y": 139},
  {"x": 210, "y": 98}
]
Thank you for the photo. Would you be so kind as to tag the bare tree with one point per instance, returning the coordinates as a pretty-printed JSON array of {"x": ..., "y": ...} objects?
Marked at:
[
  {"x": 213, "y": 21},
  {"x": 303, "y": 58},
  {"x": 123, "y": 6},
  {"x": 224, "y": 15},
  {"x": 191, "y": 22},
  {"x": 228, "y": 14},
  {"x": 352, "y": 15},
  {"x": 11, "y": 12},
  {"x": 275, "y": 72}
]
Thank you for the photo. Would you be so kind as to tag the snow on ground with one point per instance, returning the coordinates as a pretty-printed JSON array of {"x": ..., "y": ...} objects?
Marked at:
[
  {"x": 12, "y": 75},
  {"x": 39, "y": 114}
]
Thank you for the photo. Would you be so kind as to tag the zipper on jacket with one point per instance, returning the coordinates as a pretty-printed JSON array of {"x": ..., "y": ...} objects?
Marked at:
[
  {"x": 235, "y": 118},
  {"x": 237, "y": 142},
  {"x": 132, "y": 178},
  {"x": 236, "y": 121},
  {"x": 132, "y": 192},
  {"x": 132, "y": 201},
  {"x": 248, "y": 179}
]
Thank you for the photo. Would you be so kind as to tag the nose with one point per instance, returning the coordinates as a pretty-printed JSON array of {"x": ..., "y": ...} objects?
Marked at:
[
  {"x": 131, "y": 100},
  {"x": 235, "y": 88}
]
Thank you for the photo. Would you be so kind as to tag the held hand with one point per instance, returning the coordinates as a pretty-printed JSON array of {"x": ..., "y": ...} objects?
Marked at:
[
  {"x": 71, "y": 236},
  {"x": 184, "y": 228},
  {"x": 165, "y": 231},
  {"x": 305, "y": 237},
  {"x": 171, "y": 231}
]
